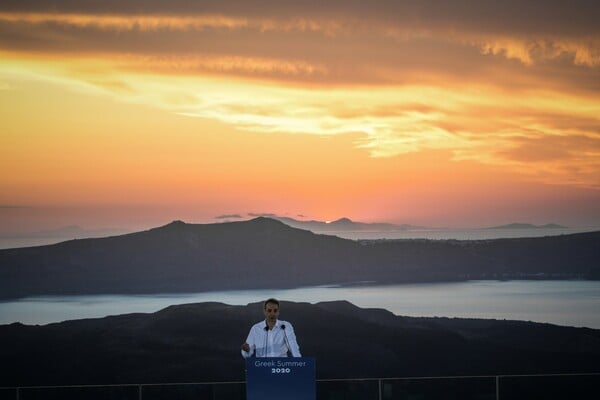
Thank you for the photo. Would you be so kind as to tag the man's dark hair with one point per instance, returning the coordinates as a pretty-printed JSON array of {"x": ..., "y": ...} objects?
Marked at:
[{"x": 271, "y": 300}]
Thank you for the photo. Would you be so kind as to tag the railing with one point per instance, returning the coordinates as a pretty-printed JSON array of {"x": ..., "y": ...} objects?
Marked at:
[{"x": 487, "y": 387}]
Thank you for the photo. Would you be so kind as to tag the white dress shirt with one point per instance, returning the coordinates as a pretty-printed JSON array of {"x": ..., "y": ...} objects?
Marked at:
[{"x": 272, "y": 342}]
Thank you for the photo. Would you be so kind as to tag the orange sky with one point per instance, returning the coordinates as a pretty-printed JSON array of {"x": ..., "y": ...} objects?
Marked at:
[{"x": 132, "y": 114}]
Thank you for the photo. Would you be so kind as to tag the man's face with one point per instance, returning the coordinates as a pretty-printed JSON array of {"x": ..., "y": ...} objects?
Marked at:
[{"x": 271, "y": 311}]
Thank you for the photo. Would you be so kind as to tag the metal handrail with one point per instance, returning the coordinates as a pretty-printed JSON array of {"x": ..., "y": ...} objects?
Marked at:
[
  {"x": 379, "y": 381},
  {"x": 461, "y": 377}
]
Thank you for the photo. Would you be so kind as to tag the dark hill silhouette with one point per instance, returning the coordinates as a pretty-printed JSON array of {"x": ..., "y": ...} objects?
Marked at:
[
  {"x": 265, "y": 253},
  {"x": 200, "y": 342}
]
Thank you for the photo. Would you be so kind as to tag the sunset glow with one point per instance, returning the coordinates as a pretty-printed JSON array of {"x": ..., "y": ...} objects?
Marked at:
[{"x": 132, "y": 114}]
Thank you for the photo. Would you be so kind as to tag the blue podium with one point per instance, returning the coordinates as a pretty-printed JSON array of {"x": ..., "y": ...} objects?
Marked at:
[{"x": 283, "y": 378}]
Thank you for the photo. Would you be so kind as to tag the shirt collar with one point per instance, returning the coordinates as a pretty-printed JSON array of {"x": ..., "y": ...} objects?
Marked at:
[{"x": 277, "y": 324}]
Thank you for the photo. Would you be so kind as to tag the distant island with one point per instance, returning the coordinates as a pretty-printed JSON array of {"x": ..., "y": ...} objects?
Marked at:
[
  {"x": 528, "y": 226},
  {"x": 344, "y": 225},
  {"x": 265, "y": 253},
  {"x": 200, "y": 343}
]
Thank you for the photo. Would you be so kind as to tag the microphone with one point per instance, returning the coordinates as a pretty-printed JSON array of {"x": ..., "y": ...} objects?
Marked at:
[
  {"x": 287, "y": 343},
  {"x": 266, "y": 348}
]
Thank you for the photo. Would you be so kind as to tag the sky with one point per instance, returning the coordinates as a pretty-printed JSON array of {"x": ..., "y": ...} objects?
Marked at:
[{"x": 132, "y": 114}]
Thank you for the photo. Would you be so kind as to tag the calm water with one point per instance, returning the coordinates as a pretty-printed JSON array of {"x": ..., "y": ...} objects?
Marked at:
[{"x": 572, "y": 303}]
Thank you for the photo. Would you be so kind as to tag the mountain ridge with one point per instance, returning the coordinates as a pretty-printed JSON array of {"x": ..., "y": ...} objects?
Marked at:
[
  {"x": 200, "y": 342},
  {"x": 266, "y": 253}
]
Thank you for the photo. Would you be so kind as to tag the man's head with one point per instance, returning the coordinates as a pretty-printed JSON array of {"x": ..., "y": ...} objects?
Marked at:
[{"x": 271, "y": 310}]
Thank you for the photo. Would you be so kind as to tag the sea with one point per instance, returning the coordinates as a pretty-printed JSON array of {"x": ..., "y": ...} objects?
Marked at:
[{"x": 566, "y": 302}]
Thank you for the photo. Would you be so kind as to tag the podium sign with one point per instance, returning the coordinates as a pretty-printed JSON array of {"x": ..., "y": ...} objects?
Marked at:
[{"x": 283, "y": 378}]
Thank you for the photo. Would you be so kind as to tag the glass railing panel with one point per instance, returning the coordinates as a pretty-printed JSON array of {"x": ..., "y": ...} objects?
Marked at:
[
  {"x": 205, "y": 391},
  {"x": 348, "y": 390},
  {"x": 80, "y": 392},
  {"x": 439, "y": 388},
  {"x": 550, "y": 387}
]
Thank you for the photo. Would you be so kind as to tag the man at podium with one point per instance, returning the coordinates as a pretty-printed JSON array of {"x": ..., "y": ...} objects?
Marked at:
[{"x": 271, "y": 337}]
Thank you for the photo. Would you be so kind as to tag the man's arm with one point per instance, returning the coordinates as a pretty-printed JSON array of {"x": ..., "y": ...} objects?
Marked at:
[
  {"x": 249, "y": 347},
  {"x": 293, "y": 343}
]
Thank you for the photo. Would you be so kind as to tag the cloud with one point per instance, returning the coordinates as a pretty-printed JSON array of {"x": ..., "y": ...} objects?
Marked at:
[
  {"x": 269, "y": 215},
  {"x": 499, "y": 83},
  {"x": 583, "y": 52},
  {"x": 535, "y": 16},
  {"x": 229, "y": 216},
  {"x": 575, "y": 159},
  {"x": 330, "y": 44},
  {"x": 540, "y": 30},
  {"x": 548, "y": 148},
  {"x": 124, "y": 23}
]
